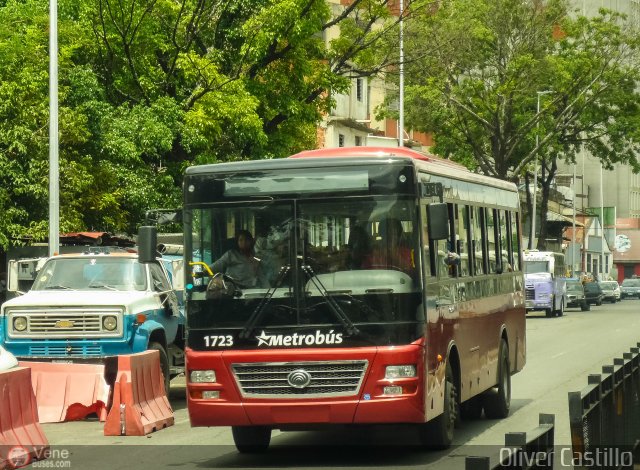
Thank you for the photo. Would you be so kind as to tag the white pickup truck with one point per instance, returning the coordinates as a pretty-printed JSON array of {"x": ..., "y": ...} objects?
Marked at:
[{"x": 86, "y": 307}]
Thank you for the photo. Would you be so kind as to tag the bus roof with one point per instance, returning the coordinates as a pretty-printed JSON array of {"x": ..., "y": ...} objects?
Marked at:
[
  {"x": 349, "y": 156},
  {"x": 384, "y": 152}
]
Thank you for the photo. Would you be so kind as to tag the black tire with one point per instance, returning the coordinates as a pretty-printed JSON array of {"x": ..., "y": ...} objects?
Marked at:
[
  {"x": 560, "y": 311},
  {"x": 585, "y": 307},
  {"x": 548, "y": 312},
  {"x": 438, "y": 433},
  {"x": 497, "y": 400},
  {"x": 251, "y": 439},
  {"x": 599, "y": 302},
  {"x": 164, "y": 365}
]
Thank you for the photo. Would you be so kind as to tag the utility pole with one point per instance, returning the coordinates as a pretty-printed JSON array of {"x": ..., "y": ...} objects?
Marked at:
[
  {"x": 401, "y": 85},
  {"x": 532, "y": 238},
  {"x": 54, "y": 172}
]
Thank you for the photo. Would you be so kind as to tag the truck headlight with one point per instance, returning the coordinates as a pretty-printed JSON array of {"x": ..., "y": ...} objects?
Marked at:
[
  {"x": 396, "y": 372},
  {"x": 20, "y": 323},
  {"x": 203, "y": 376},
  {"x": 109, "y": 323}
]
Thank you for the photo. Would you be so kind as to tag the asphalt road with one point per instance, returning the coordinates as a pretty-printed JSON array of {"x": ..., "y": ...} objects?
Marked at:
[{"x": 561, "y": 352}]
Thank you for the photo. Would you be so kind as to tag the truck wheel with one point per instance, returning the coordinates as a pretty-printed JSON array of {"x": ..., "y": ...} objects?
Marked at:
[
  {"x": 164, "y": 365},
  {"x": 560, "y": 311},
  {"x": 251, "y": 439},
  {"x": 438, "y": 433},
  {"x": 498, "y": 400},
  {"x": 548, "y": 312}
]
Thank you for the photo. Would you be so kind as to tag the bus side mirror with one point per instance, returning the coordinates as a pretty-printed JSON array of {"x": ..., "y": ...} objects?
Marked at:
[
  {"x": 147, "y": 244},
  {"x": 438, "y": 221}
]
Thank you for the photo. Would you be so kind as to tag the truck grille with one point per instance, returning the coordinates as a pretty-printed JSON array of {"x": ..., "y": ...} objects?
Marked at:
[
  {"x": 69, "y": 323},
  {"x": 529, "y": 294},
  {"x": 65, "y": 323},
  {"x": 274, "y": 380},
  {"x": 58, "y": 350}
]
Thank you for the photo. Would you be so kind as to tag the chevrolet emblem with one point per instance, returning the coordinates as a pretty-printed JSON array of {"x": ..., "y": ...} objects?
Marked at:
[{"x": 64, "y": 324}]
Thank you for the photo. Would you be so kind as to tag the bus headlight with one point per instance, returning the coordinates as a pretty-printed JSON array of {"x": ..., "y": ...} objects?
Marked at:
[
  {"x": 203, "y": 376},
  {"x": 397, "y": 372},
  {"x": 20, "y": 323},
  {"x": 109, "y": 323}
]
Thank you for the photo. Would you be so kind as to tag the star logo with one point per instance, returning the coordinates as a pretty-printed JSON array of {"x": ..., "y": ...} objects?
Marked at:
[{"x": 263, "y": 339}]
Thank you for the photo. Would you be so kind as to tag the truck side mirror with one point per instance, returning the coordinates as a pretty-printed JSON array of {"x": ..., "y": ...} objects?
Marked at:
[
  {"x": 147, "y": 244},
  {"x": 438, "y": 221}
]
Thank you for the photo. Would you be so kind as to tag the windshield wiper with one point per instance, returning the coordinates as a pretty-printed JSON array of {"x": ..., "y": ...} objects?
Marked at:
[
  {"x": 351, "y": 329},
  {"x": 58, "y": 286},
  {"x": 259, "y": 310},
  {"x": 101, "y": 286}
]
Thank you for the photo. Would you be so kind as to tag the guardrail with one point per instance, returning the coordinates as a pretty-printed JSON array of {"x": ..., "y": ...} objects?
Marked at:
[
  {"x": 604, "y": 417},
  {"x": 522, "y": 450}
]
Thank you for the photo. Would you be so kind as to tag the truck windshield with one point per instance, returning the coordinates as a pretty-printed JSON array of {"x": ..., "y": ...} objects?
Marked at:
[
  {"x": 314, "y": 262},
  {"x": 531, "y": 267},
  {"x": 91, "y": 273}
]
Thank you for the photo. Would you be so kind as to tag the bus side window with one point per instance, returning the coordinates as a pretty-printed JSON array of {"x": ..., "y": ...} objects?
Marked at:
[
  {"x": 492, "y": 240},
  {"x": 429, "y": 250},
  {"x": 477, "y": 245},
  {"x": 515, "y": 241},
  {"x": 504, "y": 261},
  {"x": 462, "y": 240}
]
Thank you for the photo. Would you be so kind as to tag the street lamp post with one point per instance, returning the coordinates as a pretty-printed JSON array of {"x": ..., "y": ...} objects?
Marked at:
[
  {"x": 54, "y": 185},
  {"x": 532, "y": 238},
  {"x": 401, "y": 84}
]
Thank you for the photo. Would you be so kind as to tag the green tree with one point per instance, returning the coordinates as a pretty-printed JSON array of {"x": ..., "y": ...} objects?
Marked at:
[
  {"x": 148, "y": 87},
  {"x": 478, "y": 67}
]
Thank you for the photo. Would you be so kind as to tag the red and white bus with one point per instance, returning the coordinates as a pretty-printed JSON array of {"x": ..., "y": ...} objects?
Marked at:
[{"x": 388, "y": 289}]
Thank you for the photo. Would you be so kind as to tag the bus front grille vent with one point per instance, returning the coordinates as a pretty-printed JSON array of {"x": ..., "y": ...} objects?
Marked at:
[{"x": 300, "y": 379}]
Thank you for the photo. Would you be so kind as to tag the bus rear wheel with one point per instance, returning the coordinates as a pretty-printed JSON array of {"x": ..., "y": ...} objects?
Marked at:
[
  {"x": 251, "y": 439},
  {"x": 497, "y": 401},
  {"x": 438, "y": 433}
]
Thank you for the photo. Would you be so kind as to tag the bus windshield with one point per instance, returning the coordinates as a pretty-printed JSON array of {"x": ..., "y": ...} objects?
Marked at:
[{"x": 344, "y": 261}]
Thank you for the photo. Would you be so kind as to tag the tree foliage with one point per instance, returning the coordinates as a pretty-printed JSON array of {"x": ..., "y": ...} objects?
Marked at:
[
  {"x": 148, "y": 87},
  {"x": 475, "y": 71}
]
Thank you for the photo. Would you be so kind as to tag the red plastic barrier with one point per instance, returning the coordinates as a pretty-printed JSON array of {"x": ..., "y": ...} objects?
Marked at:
[
  {"x": 140, "y": 404},
  {"x": 69, "y": 392},
  {"x": 21, "y": 437}
]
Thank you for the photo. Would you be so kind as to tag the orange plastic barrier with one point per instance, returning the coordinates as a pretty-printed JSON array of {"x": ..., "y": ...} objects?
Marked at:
[
  {"x": 21, "y": 437},
  {"x": 140, "y": 403},
  {"x": 69, "y": 392}
]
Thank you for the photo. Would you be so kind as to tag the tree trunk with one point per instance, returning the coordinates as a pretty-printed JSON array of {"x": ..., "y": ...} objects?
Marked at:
[
  {"x": 527, "y": 213},
  {"x": 548, "y": 174}
]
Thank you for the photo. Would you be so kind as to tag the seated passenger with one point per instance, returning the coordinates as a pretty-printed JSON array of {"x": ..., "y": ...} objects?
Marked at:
[
  {"x": 239, "y": 263},
  {"x": 389, "y": 251},
  {"x": 358, "y": 249}
]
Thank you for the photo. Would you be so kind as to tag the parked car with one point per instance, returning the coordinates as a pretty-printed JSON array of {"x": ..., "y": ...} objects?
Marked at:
[
  {"x": 610, "y": 290},
  {"x": 630, "y": 288},
  {"x": 593, "y": 293},
  {"x": 576, "y": 296}
]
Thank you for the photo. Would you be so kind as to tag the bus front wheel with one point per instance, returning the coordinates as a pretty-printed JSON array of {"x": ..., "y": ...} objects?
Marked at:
[
  {"x": 251, "y": 439},
  {"x": 498, "y": 400},
  {"x": 438, "y": 433}
]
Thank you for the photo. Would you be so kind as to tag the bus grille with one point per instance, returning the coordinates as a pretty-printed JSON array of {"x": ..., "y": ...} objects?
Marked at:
[{"x": 274, "y": 380}]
